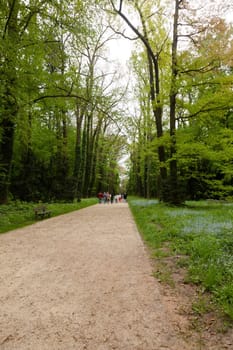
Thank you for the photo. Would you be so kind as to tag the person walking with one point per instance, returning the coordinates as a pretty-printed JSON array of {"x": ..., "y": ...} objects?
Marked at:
[{"x": 100, "y": 197}]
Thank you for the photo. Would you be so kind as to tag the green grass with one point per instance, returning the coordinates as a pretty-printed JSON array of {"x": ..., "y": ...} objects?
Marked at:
[
  {"x": 201, "y": 233},
  {"x": 18, "y": 214}
]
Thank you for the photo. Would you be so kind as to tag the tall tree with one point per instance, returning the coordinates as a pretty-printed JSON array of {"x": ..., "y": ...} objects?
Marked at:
[
  {"x": 10, "y": 37},
  {"x": 174, "y": 195}
]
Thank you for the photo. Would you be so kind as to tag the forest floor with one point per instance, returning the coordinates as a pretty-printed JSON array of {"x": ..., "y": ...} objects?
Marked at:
[{"x": 84, "y": 280}]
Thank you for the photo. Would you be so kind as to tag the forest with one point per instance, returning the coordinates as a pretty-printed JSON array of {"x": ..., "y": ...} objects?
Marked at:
[{"x": 69, "y": 112}]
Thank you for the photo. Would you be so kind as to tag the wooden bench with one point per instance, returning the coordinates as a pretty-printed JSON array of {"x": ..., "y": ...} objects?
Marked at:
[{"x": 42, "y": 212}]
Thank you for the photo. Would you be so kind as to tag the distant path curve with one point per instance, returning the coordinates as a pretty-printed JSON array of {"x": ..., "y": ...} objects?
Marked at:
[{"x": 81, "y": 281}]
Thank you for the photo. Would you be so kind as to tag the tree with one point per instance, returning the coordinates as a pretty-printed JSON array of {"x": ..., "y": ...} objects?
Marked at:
[
  {"x": 48, "y": 77},
  {"x": 187, "y": 25},
  {"x": 8, "y": 94},
  {"x": 22, "y": 32},
  {"x": 154, "y": 79},
  {"x": 142, "y": 133},
  {"x": 204, "y": 105}
]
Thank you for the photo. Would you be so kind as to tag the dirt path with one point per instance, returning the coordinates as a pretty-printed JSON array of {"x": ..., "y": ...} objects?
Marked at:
[{"x": 82, "y": 281}]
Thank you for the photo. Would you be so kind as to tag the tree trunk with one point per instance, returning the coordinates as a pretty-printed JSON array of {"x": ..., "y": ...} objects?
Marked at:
[
  {"x": 154, "y": 80},
  {"x": 95, "y": 154},
  {"x": 8, "y": 100},
  {"x": 78, "y": 154},
  {"x": 157, "y": 112},
  {"x": 87, "y": 151},
  {"x": 174, "y": 197}
]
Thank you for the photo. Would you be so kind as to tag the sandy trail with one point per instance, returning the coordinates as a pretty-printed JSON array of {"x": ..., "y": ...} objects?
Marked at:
[{"x": 81, "y": 281}]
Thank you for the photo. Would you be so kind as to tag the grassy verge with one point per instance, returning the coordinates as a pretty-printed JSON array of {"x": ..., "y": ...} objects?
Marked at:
[
  {"x": 200, "y": 235},
  {"x": 19, "y": 214}
]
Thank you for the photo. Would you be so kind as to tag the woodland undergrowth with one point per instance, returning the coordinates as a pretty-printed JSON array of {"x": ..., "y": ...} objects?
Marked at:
[{"x": 200, "y": 235}]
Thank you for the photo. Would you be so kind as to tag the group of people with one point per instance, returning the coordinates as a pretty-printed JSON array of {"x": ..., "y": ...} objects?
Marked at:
[{"x": 106, "y": 197}]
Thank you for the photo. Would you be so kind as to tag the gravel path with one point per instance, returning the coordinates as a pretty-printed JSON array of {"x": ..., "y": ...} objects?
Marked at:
[{"x": 81, "y": 281}]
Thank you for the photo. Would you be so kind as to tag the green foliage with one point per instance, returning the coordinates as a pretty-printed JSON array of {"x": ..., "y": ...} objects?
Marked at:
[
  {"x": 53, "y": 89},
  {"x": 201, "y": 79},
  {"x": 224, "y": 296},
  {"x": 201, "y": 234},
  {"x": 50, "y": 52},
  {"x": 204, "y": 159}
]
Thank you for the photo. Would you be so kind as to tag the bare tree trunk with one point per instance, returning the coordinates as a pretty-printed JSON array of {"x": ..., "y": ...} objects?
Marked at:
[
  {"x": 174, "y": 191},
  {"x": 95, "y": 151},
  {"x": 78, "y": 162}
]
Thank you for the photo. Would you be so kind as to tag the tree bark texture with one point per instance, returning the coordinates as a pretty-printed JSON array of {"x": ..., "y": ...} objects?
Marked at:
[{"x": 8, "y": 99}]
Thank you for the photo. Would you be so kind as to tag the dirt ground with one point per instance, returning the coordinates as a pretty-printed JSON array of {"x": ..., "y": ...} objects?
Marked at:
[{"x": 84, "y": 281}]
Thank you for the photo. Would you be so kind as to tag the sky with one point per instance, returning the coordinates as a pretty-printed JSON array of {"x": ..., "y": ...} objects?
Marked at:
[{"x": 120, "y": 49}]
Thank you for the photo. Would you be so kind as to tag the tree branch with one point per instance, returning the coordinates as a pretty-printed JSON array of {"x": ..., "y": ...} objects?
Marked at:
[
  {"x": 122, "y": 34},
  {"x": 9, "y": 18}
]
